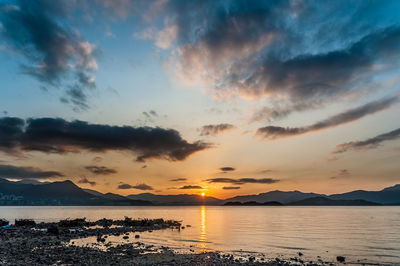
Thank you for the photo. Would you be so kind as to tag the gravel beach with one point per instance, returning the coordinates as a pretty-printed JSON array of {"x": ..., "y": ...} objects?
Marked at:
[{"x": 28, "y": 243}]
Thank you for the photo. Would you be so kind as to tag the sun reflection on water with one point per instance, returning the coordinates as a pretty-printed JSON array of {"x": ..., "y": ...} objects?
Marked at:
[{"x": 203, "y": 230}]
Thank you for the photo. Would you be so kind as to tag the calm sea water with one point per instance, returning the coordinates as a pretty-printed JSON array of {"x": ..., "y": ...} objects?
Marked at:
[{"x": 369, "y": 234}]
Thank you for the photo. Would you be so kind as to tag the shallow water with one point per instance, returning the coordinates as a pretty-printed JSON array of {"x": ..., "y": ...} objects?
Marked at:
[{"x": 368, "y": 234}]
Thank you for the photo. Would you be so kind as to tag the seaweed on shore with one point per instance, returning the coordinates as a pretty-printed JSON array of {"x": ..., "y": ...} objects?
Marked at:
[
  {"x": 24, "y": 222},
  {"x": 4, "y": 222},
  {"x": 79, "y": 222}
]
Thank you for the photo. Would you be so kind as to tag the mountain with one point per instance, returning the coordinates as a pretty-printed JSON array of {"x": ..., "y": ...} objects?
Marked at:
[
  {"x": 393, "y": 188},
  {"x": 390, "y": 195},
  {"x": 93, "y": 192},
  {"x": 253, "y": 203},
  {"x": 56, "y": 193},
  {"x": 324, "y": 201},
  {"x": 181, "y": 199},
  {"x": 110, "y": 196},
  {"x": 32, "y": 181},
  {"x": 67, "y": 193},
  {"x": 279, "y": 196}
]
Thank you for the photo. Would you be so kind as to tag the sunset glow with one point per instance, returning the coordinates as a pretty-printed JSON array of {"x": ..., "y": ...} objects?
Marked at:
[
  {"x": 235, "y": 132},
  {"x": 185, "y": 97}
]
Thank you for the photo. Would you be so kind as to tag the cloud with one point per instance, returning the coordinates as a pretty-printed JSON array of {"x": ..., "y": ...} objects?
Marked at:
[
  {"x": 10, "y": 171},
  {"x": 230, "y": 188},
  {"x": 100, "y": 170},
  {"x": 139, "y": 186},
  {"x": 215, "y": 129},
  {"x": 97, "y": 159},
  {"x": 190, "y": 187},
  {"x": 279, "y": 112},
  {"x": 279, "y": 50},
  {"x": 86, "y": 181},
  {"x": 265, "y": 171},
  {"x": 227, "y": 169},
  {"x": 56, "y": 135},
  {"x": 39, "y": 31},
  {"x": 243, "y": 180},
  {"x": 178, "y": 179},
  {"x": 371, "y": 143},
  {"x": 342, "y": 173},
  {"x": 274, "y": 132},
  {"x": 153, "y": 113}
]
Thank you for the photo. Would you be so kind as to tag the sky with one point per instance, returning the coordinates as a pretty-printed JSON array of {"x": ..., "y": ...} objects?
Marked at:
[{"x": 215, "y": 96}]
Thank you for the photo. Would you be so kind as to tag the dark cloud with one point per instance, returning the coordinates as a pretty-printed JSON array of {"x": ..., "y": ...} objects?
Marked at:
[
  {"x": 143, "y": 187},
  {"x": 227, "y": 169},
  {"x": 56, "y": 135},
  {"x": 10, "y": 171},
  {"x": 230, "y": 188},
  {"x": 190, "y": 187},
  {"x": 178, "y": 179},
  {"x": 139, "y": 186},
  {"x": 84, "y": 180},
  {"x": 371, "y": 143},
  {"x": 215, "y": 129},
  {"x": 54, "y": 52},
  {"x": 241, "y": 181},
  {"x": 100, "y": 170},
  {"x": 279, "y": 112},
  {"x": 146, "y": 114},
  {"x": 280, "y": 49},
  {"x": 274, "y": 132},
  {"x": 153, "y": 113},
  {"x": 124, "y": 186}
]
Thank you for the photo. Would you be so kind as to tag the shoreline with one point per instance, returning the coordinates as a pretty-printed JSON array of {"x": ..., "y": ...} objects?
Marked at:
[{"x": 58, "y": 243}]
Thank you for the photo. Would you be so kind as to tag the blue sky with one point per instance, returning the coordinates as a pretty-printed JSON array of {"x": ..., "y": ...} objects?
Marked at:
[{"x": 293, "y": 94}]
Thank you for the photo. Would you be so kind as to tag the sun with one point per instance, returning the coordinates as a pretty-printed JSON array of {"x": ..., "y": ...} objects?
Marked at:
[{"x": 203, "y": 194}]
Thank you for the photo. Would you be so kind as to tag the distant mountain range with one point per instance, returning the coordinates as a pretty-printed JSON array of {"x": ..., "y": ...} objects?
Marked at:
[
  {"x": 56, "y": 193},
  {"x": 67, "y": 193},
  {"x": 181, "y": 199}
]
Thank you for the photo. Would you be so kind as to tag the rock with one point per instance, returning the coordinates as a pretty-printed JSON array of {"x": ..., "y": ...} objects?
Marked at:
[
  {"x": 24, "y": 222},
  {"x": 4, "y": 222},
  {"x": 53, "y": 230},
  {"x": 300, "y": 254},
  {"x": 341, "y": 259}
]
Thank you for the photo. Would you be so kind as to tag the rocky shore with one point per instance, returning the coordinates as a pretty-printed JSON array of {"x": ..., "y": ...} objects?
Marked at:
[{"x": 29, "y": 243}]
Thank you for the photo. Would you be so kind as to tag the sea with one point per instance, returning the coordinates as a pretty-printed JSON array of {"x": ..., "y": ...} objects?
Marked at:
[{"x": 361, "y": 234}]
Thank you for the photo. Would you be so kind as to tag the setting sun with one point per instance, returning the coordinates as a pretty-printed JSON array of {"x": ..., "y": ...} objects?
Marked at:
[{"x": 203, "y": 194}]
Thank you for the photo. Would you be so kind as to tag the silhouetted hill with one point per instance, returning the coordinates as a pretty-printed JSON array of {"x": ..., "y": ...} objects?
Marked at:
[
  {"x": 388, "y": 195},
  {"x": 324, "y": 201},
  {"x": 253, "y": 203},
  {"x": 181, "y": 199},
  {"x": 67, "y": 193},
  {"x": 56, "y": 193},
  {"x": 279, "y": 196},
  {"x": 392, "y": 188}
]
